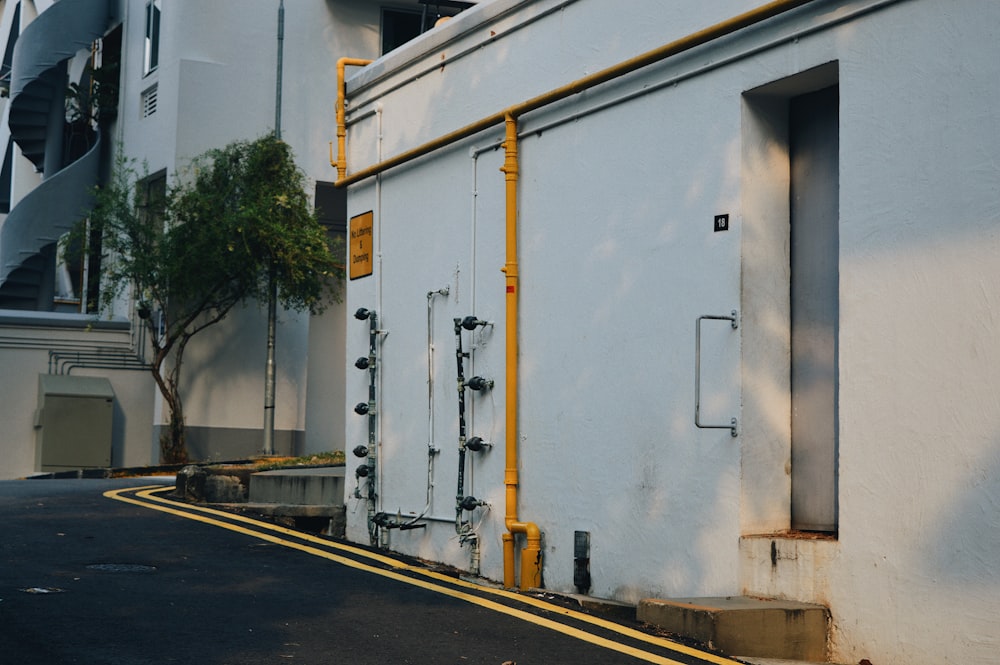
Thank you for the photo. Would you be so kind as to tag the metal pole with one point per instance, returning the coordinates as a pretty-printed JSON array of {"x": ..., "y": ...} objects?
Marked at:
[
  {"x": 272, "y": 296},
  {"x": 281, "y": 49}
]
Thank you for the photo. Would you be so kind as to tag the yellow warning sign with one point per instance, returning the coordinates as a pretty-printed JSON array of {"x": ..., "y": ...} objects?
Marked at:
[{"x": 361, "y": 245}]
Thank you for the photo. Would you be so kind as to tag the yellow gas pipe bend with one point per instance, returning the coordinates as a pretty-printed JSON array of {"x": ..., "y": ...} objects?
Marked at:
[
  {"x": 341, "y": 162},
  {"x": 531, "y": 555}
]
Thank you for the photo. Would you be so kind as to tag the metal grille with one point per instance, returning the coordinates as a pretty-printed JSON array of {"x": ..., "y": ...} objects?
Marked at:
[{"x": 148, "y": 101}]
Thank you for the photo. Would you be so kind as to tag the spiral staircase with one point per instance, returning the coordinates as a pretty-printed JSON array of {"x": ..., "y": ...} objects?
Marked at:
[{"x": 36, "y": 117}]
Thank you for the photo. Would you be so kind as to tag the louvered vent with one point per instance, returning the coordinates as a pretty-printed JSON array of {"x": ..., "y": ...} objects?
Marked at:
[{"x": 149, "y": 101}]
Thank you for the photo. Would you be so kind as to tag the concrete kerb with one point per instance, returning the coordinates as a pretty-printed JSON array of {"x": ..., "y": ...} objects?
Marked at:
[
  {"x": 301, "y": 496},
  {"x": 309, "y": 498},
  {"x": 112, "y": 472}
]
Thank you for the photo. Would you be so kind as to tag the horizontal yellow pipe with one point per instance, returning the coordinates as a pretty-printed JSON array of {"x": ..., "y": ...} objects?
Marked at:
[
  {"x": 699, "y": 38},
  {"x": 431, "y": 146}
]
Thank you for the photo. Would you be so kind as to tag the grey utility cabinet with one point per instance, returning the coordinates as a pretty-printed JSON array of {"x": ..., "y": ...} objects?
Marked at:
[{"x": 73, "y": 422}]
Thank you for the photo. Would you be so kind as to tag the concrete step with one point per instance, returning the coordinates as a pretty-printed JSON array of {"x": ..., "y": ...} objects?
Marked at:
[
  {"x": 322, "y": 486},
  {"x": 740, "y": 626}
]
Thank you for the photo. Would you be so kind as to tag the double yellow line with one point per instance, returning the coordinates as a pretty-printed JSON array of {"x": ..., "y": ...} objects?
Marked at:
[{"x": 423, "y": 578}]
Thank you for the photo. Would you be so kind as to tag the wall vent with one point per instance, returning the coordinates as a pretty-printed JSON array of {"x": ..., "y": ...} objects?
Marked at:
[{"x": 148, "y": 101}]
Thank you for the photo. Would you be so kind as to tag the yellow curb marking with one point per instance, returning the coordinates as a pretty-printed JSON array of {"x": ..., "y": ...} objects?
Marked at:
[{"x": 147, "y": 492}]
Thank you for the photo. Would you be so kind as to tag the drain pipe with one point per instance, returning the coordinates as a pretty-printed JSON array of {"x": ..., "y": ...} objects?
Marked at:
[
  {"x": 531, "y": 555},
  {"x": 341, "y": 162}
]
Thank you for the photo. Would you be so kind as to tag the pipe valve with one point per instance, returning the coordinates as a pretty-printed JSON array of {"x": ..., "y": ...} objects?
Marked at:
[
  {"x": 471, "y": 323},
  {"x": 476, "y": 444},
  {"x": 479, "y": 383},
  {"x": 470, "y": 503},
  {"x": 360, "y": 451},
  {"x": 362, "y": 314},
  {"x": 361, "y": 471},
  {"x": 363, "y": 362},
  {"x": 362, "y": 408}
]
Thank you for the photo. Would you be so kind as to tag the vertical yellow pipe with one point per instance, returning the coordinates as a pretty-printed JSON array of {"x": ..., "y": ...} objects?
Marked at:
[
  {"x": 531, "y": 555},
  {"x": 341, "y": 162}
]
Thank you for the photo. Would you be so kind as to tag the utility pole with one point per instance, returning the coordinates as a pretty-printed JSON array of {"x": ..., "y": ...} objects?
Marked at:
[{"x": 272, "y": 296}]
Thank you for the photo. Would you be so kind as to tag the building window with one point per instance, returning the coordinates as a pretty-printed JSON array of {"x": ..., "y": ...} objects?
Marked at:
[
  {"x": 401, "y": 25},
  {"x": 71, "y": 266},
  {"x": 151, "y": 199},
  {"x": 151, "y": 48}
]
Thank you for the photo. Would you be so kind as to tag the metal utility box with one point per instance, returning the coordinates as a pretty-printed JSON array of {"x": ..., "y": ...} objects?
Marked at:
[{"x": 73, "y": 422}]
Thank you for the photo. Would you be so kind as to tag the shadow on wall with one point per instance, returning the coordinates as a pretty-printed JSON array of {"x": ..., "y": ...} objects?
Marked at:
[{"x": 966, "y": 533}]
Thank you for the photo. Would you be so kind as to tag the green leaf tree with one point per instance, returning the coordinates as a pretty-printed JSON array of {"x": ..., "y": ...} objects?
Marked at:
[{"x": 238, "y": 217}]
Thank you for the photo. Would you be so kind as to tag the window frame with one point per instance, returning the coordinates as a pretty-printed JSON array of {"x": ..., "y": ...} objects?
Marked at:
[{"x": 151, "y": 39}]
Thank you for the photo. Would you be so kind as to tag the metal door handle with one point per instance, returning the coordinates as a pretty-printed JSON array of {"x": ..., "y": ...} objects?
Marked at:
[{"x": 734, "y": 320}]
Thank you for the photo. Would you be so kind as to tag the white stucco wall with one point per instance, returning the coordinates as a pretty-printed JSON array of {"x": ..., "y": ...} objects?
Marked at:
[
  {"x": 25, "y": 343},
  {"x": 618, "y": 258},
  {"x": 216, "y": 86}
]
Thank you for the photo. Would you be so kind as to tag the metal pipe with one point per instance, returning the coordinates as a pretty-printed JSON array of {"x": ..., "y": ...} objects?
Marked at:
[
  {"x": 411, "y": 517},
  {"x": 269, "y": 369},
  {"x": 450, "y": 57},
  {"x": 699, "y": 38},
  {"x": 69, "y": 367},
  {"x": 460, "y": 356},
  {"x": 342, "y": 65},
  {"x": 373, "y": 529},
  {"x": 270, "y": 379},
  {"x": 281, "y": 52},
  {"x": 465, "y": 530},
  {"x": 531, "y": 555},
  {"x": 431, "y": 448},
  {"x": 59, "y": 360},
  {"x": 10, "y": 342}
]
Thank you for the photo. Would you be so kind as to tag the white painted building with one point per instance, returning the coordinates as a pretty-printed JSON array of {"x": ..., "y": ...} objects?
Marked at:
[
  {"x": 192, "y": 76},
  {"x": 755, "y": 279}
]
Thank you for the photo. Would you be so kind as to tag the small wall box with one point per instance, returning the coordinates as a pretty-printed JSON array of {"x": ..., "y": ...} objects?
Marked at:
[{"x": 73, "y": 422}]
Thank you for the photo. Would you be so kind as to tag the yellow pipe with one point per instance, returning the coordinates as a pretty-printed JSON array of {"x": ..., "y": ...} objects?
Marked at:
[
  {"x": 699, "y": 38},
  {"x": 341, "y": 162},
  {"x": 531, "y": 555}
]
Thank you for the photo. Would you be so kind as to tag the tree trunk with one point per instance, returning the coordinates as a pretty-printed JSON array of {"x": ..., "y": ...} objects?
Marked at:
[{"x": 173, "y": 444}]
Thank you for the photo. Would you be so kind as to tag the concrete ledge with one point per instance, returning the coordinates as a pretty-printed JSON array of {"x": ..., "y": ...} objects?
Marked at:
[
  {"x": 213, "y": 484},
  {"x": 317, "y": 486},
  {"x": 742, "y": 626},
  {"x": 289, "y": 510},
  {"x": 331, "y": 520}
]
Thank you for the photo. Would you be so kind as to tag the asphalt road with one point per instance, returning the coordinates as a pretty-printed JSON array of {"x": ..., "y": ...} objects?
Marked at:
[{"x": 94, "y": 572}]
